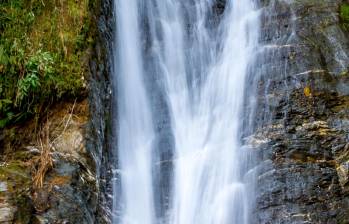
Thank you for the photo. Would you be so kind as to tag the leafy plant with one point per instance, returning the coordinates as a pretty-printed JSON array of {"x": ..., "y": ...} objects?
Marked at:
[
  {"x": 26, "y": 85},
  {"x": 38, "y": 66},
  {"x": 40, "y": 63}
]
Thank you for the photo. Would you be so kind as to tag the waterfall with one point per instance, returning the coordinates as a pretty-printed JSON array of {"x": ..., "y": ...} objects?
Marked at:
[
  {"x": 194, "y": 57},
  {"x": 135, "y": 132}
]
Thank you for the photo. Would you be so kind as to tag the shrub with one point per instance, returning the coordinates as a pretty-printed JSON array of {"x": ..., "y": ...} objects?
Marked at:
[{"x": 43, "y": 44}]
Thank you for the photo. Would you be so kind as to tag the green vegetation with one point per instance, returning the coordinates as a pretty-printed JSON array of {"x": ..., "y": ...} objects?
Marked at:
[
  {"x": 43, "y": 55},
  {"x": 344, "y": 15}
]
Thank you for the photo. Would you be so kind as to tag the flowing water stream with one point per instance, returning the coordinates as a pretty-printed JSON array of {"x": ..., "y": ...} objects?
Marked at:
[{"x": 193, "y": 56}]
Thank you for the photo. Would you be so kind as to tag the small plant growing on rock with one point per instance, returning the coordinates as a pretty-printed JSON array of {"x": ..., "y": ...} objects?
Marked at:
[
  {"x": 344, "y": 15},
  {"x": 38, "y": 66}
]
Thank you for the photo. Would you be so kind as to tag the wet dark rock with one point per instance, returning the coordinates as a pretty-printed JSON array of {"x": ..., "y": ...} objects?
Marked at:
[
  {"x": 99, "y": 135},
  {"x": 302, "y": 113},
  {"x": 219, "y": 6}
]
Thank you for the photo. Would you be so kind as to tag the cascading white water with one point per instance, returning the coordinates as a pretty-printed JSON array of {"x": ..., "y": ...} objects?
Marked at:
[
  {"x": 202, "y": 64},
  {"x": 135, "y": 132}
]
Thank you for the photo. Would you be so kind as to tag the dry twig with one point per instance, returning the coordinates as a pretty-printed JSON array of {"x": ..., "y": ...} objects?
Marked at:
[{"x": 45, "y": 160}]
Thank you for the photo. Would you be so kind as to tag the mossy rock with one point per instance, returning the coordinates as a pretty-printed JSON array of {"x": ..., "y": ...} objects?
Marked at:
[
  {"x": 344, "y": 15},
  {"x": 18, "y": 185},
  {"x": 16, "y": 177},
  {"x": 25, "y": 209}
]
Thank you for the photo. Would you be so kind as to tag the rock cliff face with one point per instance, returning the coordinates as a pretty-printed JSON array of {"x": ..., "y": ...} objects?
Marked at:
[
  {"x": 100, "y": 134},
  {"x": 302, "y": 116}
]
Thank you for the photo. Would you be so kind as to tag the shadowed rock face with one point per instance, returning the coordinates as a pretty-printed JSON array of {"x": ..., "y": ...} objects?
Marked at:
[
  {"x": 99, "y": 135},
  {"x": 302, "y": 117}
]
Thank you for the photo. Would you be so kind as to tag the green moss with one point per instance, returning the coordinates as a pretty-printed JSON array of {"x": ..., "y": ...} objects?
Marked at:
[
  {"x": 14, "y": 170},
  {"x": 18, "y": 182},
  {"x": 43, "y": 48},
  {"x": 17, "y": 178},
  {"x": 344, "y": 15},
  {"x": 24, "y": 210}
]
